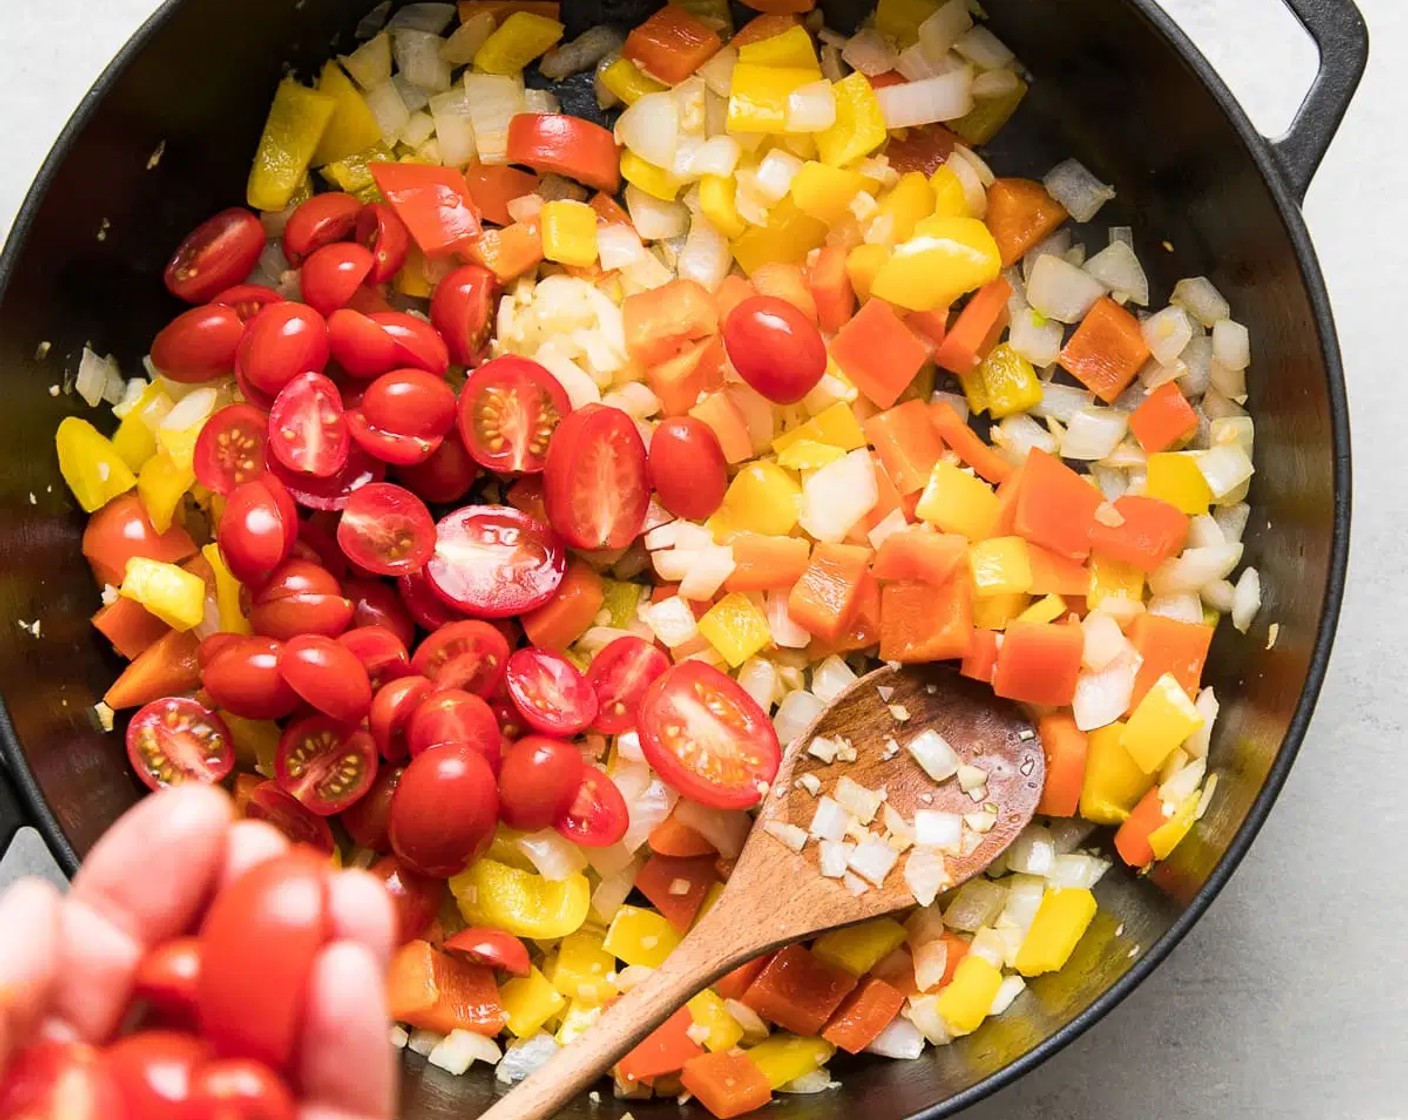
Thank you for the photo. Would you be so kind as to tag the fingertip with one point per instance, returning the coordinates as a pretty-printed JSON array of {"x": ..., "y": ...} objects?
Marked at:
[
  {"x": 346, "y": 1059},
  {"x": 29, "y": 938},
  {"x": 361, "y": 911},
  {"x": 250, "y": 843}
]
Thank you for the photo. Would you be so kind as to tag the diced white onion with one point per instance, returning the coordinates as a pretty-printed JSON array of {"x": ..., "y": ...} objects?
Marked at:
[
  {"x": 1120, "y": 271},
  {"x": 1233, "y": 520},
  {"x": 494, "y": 100},
  {"x": 811, "y": 108},
  {"x": 1167, "y": 333},
  {"x": 940, "y": 31},
  {"x": 1197, "y": 296},
  {"x": 785, "y": 632},
  {"x": 831, "y": 678},
  {"x": 412, "y": 96},
  {"x": 454, "y": 129},
  {"x": 419, "y": 129},
  {"x": 525, "y": 1056},
  {"x": 982, "y": 48},
  {"x": 540, "y": 101},
  {"x": 716, "y": 156},
  {"x": 775, "y": 174},
  {"x": 859, "y": 801},
  {"x": 94, "y": 372},
  {"x": 789, "y": 835},
  {"x": 917, "y": 62},
  {"x": 992, "y": 84},
  {"x": 671, "y": 621},
  {"x": 650, "y": 128},
  {"x": 1038, "y": 339},
  {"x": 582, "y": 53},
  {"x": 423, "y": 1042},
  {"x": 464, "y": 42},
  {"x": 555, "y": 858},
  {"x": 612, "y": 892},
  {"x": 758, "y": 678},
  {"x": 1218, "y": 596},
  {"x": 389, "y": 109},
  {"x": 373, "y": 21},
  {"x": 754, "y": 1029},
  {"x": 834, "y": 857},
  {"x": 1184, "y": 607},
  {"x": 1074, "y": 870},
  {"x": 718, "y": 71},
  {"x": 1093, "y": 433},
  {"x": 1103, "y": 696},
  {"x": 431, "y": 18},
  {"x": 1207, "y": 706},
  {"x": 1183, "y": 783},
  {"x": 1061, "y": 291},
  {"x": 927, "y": 101},
  {"x": 725, "y": 829},
  {"x": 618, "y": 245},
  {"x": 648, "y": 809},
  {"x": 1024, "y": 895},
  {"x": 1033, "y": 852},
  {"x": 795, "y": 714},
  {"x": 654, "y": 218},
  {"x": 1195, "y": 569},
  {"x": 1011, "y": 987},
  {"x": 900, "y": 1041},
  {"x": 370, "y": 64},
  {"x": 707, "y": 573},
  {"x": 1246, "y": 600},
  {"x": 1075, "y": 188},
  {"x": 1224, "y": 467},
  {"x": 933, "y": 829},
  {"x": 417, "y": 55},
  {"x": 974, "y": 194},
  {"x": 976, "y": 904},
  {"x": 934, "y": 755},
  {"x": 889, "y": 525},
  {"x": 461, "y": 1049},
  {"x": 871, "y": 53},
  {"x": 838, "y": 495},
  {"x": 1061, "y": 402},
  {"x": 191, "y": 410},
  {"x": 873, "y": 860},
  {"x": 1231, "y": 344},
  {"x": 926, "y": 875},
  {"x": 1104, "y": 641},
  {"x": 830, "y": 820}
]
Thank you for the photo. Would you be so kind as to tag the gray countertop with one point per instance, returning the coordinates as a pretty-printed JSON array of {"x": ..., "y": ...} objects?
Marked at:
[{"x": 1283, "y": 1002}]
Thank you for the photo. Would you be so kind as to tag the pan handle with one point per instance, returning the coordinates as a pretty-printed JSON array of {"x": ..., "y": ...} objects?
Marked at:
[{"x": 1343, "y": 42}]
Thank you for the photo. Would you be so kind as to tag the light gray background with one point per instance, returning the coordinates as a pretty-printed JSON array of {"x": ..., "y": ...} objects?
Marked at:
[{"x": 1288, "y": 1000}]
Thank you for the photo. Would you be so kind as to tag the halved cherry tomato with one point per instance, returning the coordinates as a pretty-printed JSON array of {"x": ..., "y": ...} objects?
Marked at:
[
  {"x": 318, "y": 221},
  {"x": 332, "y": 276},
  {"x": 495, "y": 562},
  {"x": 282, "y": 341},
  {"x": 324, "y": 764},
  {"x": 392, "y": 707},
  {"x": 258, "y": 943},
  {"x": 233, "y": 1089},
  {"x": 775, "y": 348},
  {"x": 566, "y": 145},
  {"x": 367, "y": 820},
  {"x": 154, "y": 1071},
  {"x": 493, "y": 948},
  {"x": 620, "y": 674},
  {"x": 60, "y": 1081},
  {"x": 386, "y": 236},
  {"x": 597, "y": 817},
  {"x": 301, "y": 597},
  {"x": 122, "y": 530},
  {"x": 329, "y": 493},
  {"x": 381, "y": 653},
  {"x": 687, "y": 467},
  {"x": 242, "y": 677},
  {"x": 376, "y": 604},
  {"x": 410, "y": 402},
  {"x": 538, "y": 781},
  {"x": 386, "y": 529},
  {"x": 423, "y": 834},
  {"x": 248, "y": 300},
  {"x": 257, "y": 529},
  {"x": 423, "y": 603},
  {"x": 707, "y": 738},
  {"x": 595, "y": 481},
  {"x": 198, "y": 344},
  {"x": 416, "y": 898},
  {"x": 267, "y": 802},
  {"x": 509, "y": 409},
  {"x": 221, "y": 251},
  {"x": 452, "y": 715},
  {"x": 446, "y": 476},
  {"x": 167, "y": 978},
  {"x": 359, "y": 345},
  {"x": 462, "y": 310},
  {"x": 433, "y": 202},
  {"x": 176, "y": 740},
  {"x": 471, "y": 655},
  {"x": 308, "y": 428},
  {"x": 511, "y": 722},
  {"x": 390, "y": 447},
  {"x": 317, "y": 545},
  {"x": 327, "y": 675},
  {"x": 230, "y": 448},
  {"x": 552, "y": 695},
  {"x": 417, "y": 344}
]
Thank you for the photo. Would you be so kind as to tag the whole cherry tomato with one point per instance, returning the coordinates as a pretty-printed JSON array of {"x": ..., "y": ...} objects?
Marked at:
[
  {"x": 329, "y": 493},
  {"x": 324, "y": 764},
  {"x": 248, "y": 300},
  {"x": 321, "y": 220},
  {"x": 423, "y": 834},
  {"x": 597, "y": 817},
  {"x": 471, "y": 655},
  {"x": 236, "y": 1089},
  {"x": 391, "y": 711},
  {"x": 494, "y": 561},
  {"x": 387, "y": 530},
  {"x": 538, "y": 781},
  {"x": 509, "y": 409},
  {"x": 462, "y": 310},
  {"x": 446, "y": 476},
  {"x": 375, "y": 603},
  {"x": 221, "y": 251},
  {"x": 300, "y": 597},
  {"x": 595, "y": 480},
  {"x": 327, "y": 675},
  {"x": 268, "y": 803},
  {"x": 551, "y": 693},
  {"x": 687, "y": 467},
  {"x": 154, "y": 1070},
  {"x": 333, "y": 274},
  {"x": 176, "y": 740},
  {"x": 198, "y": 344},
  {"x": 492, "y": 948},
  {"x": 257, "y": 529},
  {"x": 410, "y": 402},
  {"x": 230, "y": 448},
  {"x": 243, "y": 679},
  {"x": 122, "y": 530},
  {"x": 367, "y": 820},
  {"x": 167, "y": 977},
  {"x": 620, "y": 674},
  {"x": 386, "y": 237},
  {"x": 60, "y": 1081},
  {"x": 416, "y": 898},
  {"x": 418, "y": 346},
  {"x": 282, "y": 341},
  {"x": 775, "y": 348},
  {"x": 380, "y": 651},
  {"x": 454, "y": 716},
  {"x": 359, "y": 345}
]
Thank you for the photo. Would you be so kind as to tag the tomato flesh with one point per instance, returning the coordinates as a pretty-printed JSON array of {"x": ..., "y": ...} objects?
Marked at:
[
  {"x": 391, "y": 711},
  {"x": 382, "y": 654},
  {"x": 620, "y": 674},
  {"x": 333, "y": 492},
  {"x": 538, "y": 781},
  {"x": 494, "y": 562},
  {"x": 327, "y": 675},
  {"x": 321, "y": 220},
  {"x": 176, "y": 740},
  {"x": 267, "y": 802},
  {"x": 332, "y": 276},
  {"x": 167, "y": 978},
  {"x": 60, "y": 1081},
  {"x": 242, "y": 677},
  {"x": 257, "y": 529},
  {"x": 597, "y": 817},
  {"x": 386, "y": 237},
  {"x": 428, "y": 839},
  {"x": 550, "y": 692},
  {"x": 509, "y": 409},
  {"x": 308, "y": 427},
  {"x": 282, "y": 341},
  {"x": 240, "y": 1090},
  {"x": 386, "y": 529},
  {"x": 450, "y": 715},
  {"x": 471, "y": 655},
  {"x": 323, "y": 765},
  {"x": 462, "y": 310},
  {"x": 594, "y": 480},
  {"x": 230, "y": 448},
  {"x": 775, "y": 348},
  {"x": 445, "y": 476}
]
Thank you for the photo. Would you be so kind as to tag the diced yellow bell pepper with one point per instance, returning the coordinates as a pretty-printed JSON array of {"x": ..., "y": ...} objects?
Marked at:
[
  {"x": 835, "y": 425},
  {"x": 227, "y": 593},
  {"x": 620, "y": 599},
  {"x": 576, "y": 1021},
  {"x": 716, "y": 13},
  {"x": 987, "y": 116},
  {"x": 763, "y": 498},
  {"x": 788, "y": 237},
  {"x": 708, "y": 1011},
  {"x": 580, "y": 968},
  {"x": 863, "y": 263},
  {"x": 736, "y": 628},
  {"x": 1160, "y": 723},
  {"x": 179, "y": 444},
  {"x": 824, "y": 192},
  {"x": 352, "y": 127},
  {"x": 716, "y": 199},
  {"x": 996, "y": 612},
  {"x": 1009, "y": 382},
  {"x": 351, "y": 174},
  {"x": 1171, "y": 833},
  {"x": 808, "y": 455},
  {"x": 256, "y": 742},
  {"x": 900, "y": 19},
  {"x": 171, "y": 593},
  {"x": 946, "y": 258},
  {"x": 858, "y": 949},
  {"x": 786, "y": 1057},
  {"x": 800, "y": 144},
  {"x": 503, "y": 848},
  {"x": 966, "y": 1000},
  {"x": 90, "y": 464},
  {"x": 958, "y": 502},
  {"x": 519, "y": 902},
  {"x": 975, "y": 392},
  {"x": 135, "y": 438},
  {"x": 949, "y": 199},
  {"x": 161, "y": 486},
  {"x": 757, "y": 99},
  {"x": 516, "y": 42},
  {"x": 1113, "y": 579},
  {"x": 292, "y": 132},
  {"x": 792, "y": 48},
  {"x": 568, "y": 230},
  {"x": 1113, "y": 782},
  {"x": 1000, "y": 566},
  {"x": 628, "y": 81},
  {"x": 640, "y": 936},
  {"x": 711, "y": 899},
  {"x": 907, "y": 203},
  {"x": 1061, "y": 921},
  {"x": 529, "y": 1002},
  {"x": 860, "y": 125},
  {"x": 1174, "y": 477},
  {"x": 1046, "y": 609},
  {"x": 654, "y": 181}
]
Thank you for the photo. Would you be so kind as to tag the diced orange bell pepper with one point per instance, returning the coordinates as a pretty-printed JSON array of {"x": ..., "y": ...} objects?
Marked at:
[
  {"x": 864, "y": 630},
  {"x": 721, "y": 414},
  {"x": 761, "y": 563},
  {"x": 733, "y": 291},
  {"x": 665, "y": 1050},
  {"x": 919, "y": 553},
  {"x": 785, "y": 281},
  {"x": 831, "y": 288},
  {"x": 1153, "y": 531},
  {"x": 1064, "y": 746},
  {"x": 967, "y": 445},
  {"x": 1168, "y": 646},
  {"x": 867, "y": 1011},
  {"x": 1132, "y": 837},
  {"x": 494, "y": 185},
  {"x": 766, "y": 26},
  {"x": 1106, "y": 351},
  {"x": 526, "y": 495},
  {"x": 1164, "y": 420},
  {"x": 1056, "y": 575},
  {"x": 168, "y": 667},
  {"x": 672, "y": 44},
  {"x": 1056, "y": 506},
  {"x": 121, "y": 530},
  {"x": 921, "y": 622},
  {"x": 566, "y": 616},
  {"x": 1039, "y": 663},
  {"x": 977, "y": 329},
  {"x": 509, "y": 252},
  {"x": 680, "y": 380},
  {"x": 797, "y": 991},
  {"x": 878, "y": 352},
  {"x": 887, "y": 502},
  {"x": 727, "y": 1084},
  {"x": 1021, "y": 216},
  {"x": 609, "y": 211},
  {"x": 434, "y": 991},
  {"x": 907, "y": 442},
  {"x": 676, "y": 887},
  {"x": 733, "y": 984},
  {"x": 670, "y": 838},
  {"x": 982, "y": 656},
  {"x": 930, "y": 327},
  {"x": 659, "y": 322},
  {"x": 921, "y": 149},
  {"x": 824, "y": 601},
  {"x": 129, "y": 626}
]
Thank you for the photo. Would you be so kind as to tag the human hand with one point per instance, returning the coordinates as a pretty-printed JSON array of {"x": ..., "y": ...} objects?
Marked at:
[{"x": 67, "y": 963}]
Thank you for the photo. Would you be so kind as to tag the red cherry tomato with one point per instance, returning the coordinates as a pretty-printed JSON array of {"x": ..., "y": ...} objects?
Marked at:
[
  {"x": 391, "y": 711},
  {"x": 595, "y": 481},
  {"x": 167, "y": 978},
  {"x": 446, "y": 476},
  {"x": 509, "y": 409},
  {"x": 381, "y": 653},
  {"x": 775, "y": 348},
  {"x": 267, "y": 802},
  {"x": 416, "y": 898},
  {"x": 230, "y": 448},
  {"x": 258, "y": 944},
  {"x": 492, "y": 948},
  {"x": 122, "y": 530},
  {"x": 597, "y": 817},
  {"x": 423, "y": 834},
  {"x": 60, "y": 1081},
  {"x": 257, "y": 529},
  {"x": 359, "y": 345},
  {"x": 240, "y": 1090},
  {"x": 386, "y": 529},
  {"x": 494, "y": 561},
  {"x": 328, "y": 676},
  {"x": 417, "y": 344},
  {"x": 552, "y": 695},
  {"x": 325, "y": 765},
  {"x": 538, "y": 781},
  {"x": 687, "y": 467},
  {"x": 410, "y": 402},
  {"x": 386, "y": 237},
  {"x": 620, "y": 674},
  {"x": 301, "y": 597},
  {"x": 176, "y": 740},
  {"x": 452, "y": 715},
  {"x": 707, "y": 738},
  {"x": 333, "y": 274},
  {"x": 221, "y": 251},
  {"x": 390, "y": 447},
  {"x": 243, "y": 679},
  {"x": 282, "y": 341},
  {"x": 462, "y": 310},
  {"x": 471, "y": 655},
  {"x": 425, "y": 605},
  {"x": 318, "y": 221},
  {"x": 308, "y": 428},
  {"x": 154, "y": 1070},
  {"x": 366, "y": 821},
  {"x": 376, "y": 604},
  {"x": 198, "y": 344},
  {"x": 511, "y": 722},
  {"x": 248, "y": 300},
  {"x": 331, "y": 493}
]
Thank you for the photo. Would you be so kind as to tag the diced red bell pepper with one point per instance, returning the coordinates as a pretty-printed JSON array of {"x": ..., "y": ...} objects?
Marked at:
[
  {"x": 566, "y": 145},
  {"x": 867, "y": 1011},
  {"x": 677, "y": 887},
  {"x": 878, "y": 352},
  {"x": 1039, "y": 663},
  {"x": 797, "y": 991},
  {"x": 1152, "y": 531},
  {"x": 433, "y": 202},
  {"x": 665, "y": 1050},
  {"x": 494, "y": 185},
  {"x": 437, "y": 992},
  {"x": 727, "y": 1085},
  {"x": 1056, "y": 506},
  {"x": 672, "y": 44}
]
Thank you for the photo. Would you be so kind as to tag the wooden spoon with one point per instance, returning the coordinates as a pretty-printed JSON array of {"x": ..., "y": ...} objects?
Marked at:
[{"x": 776, "y": 895}]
